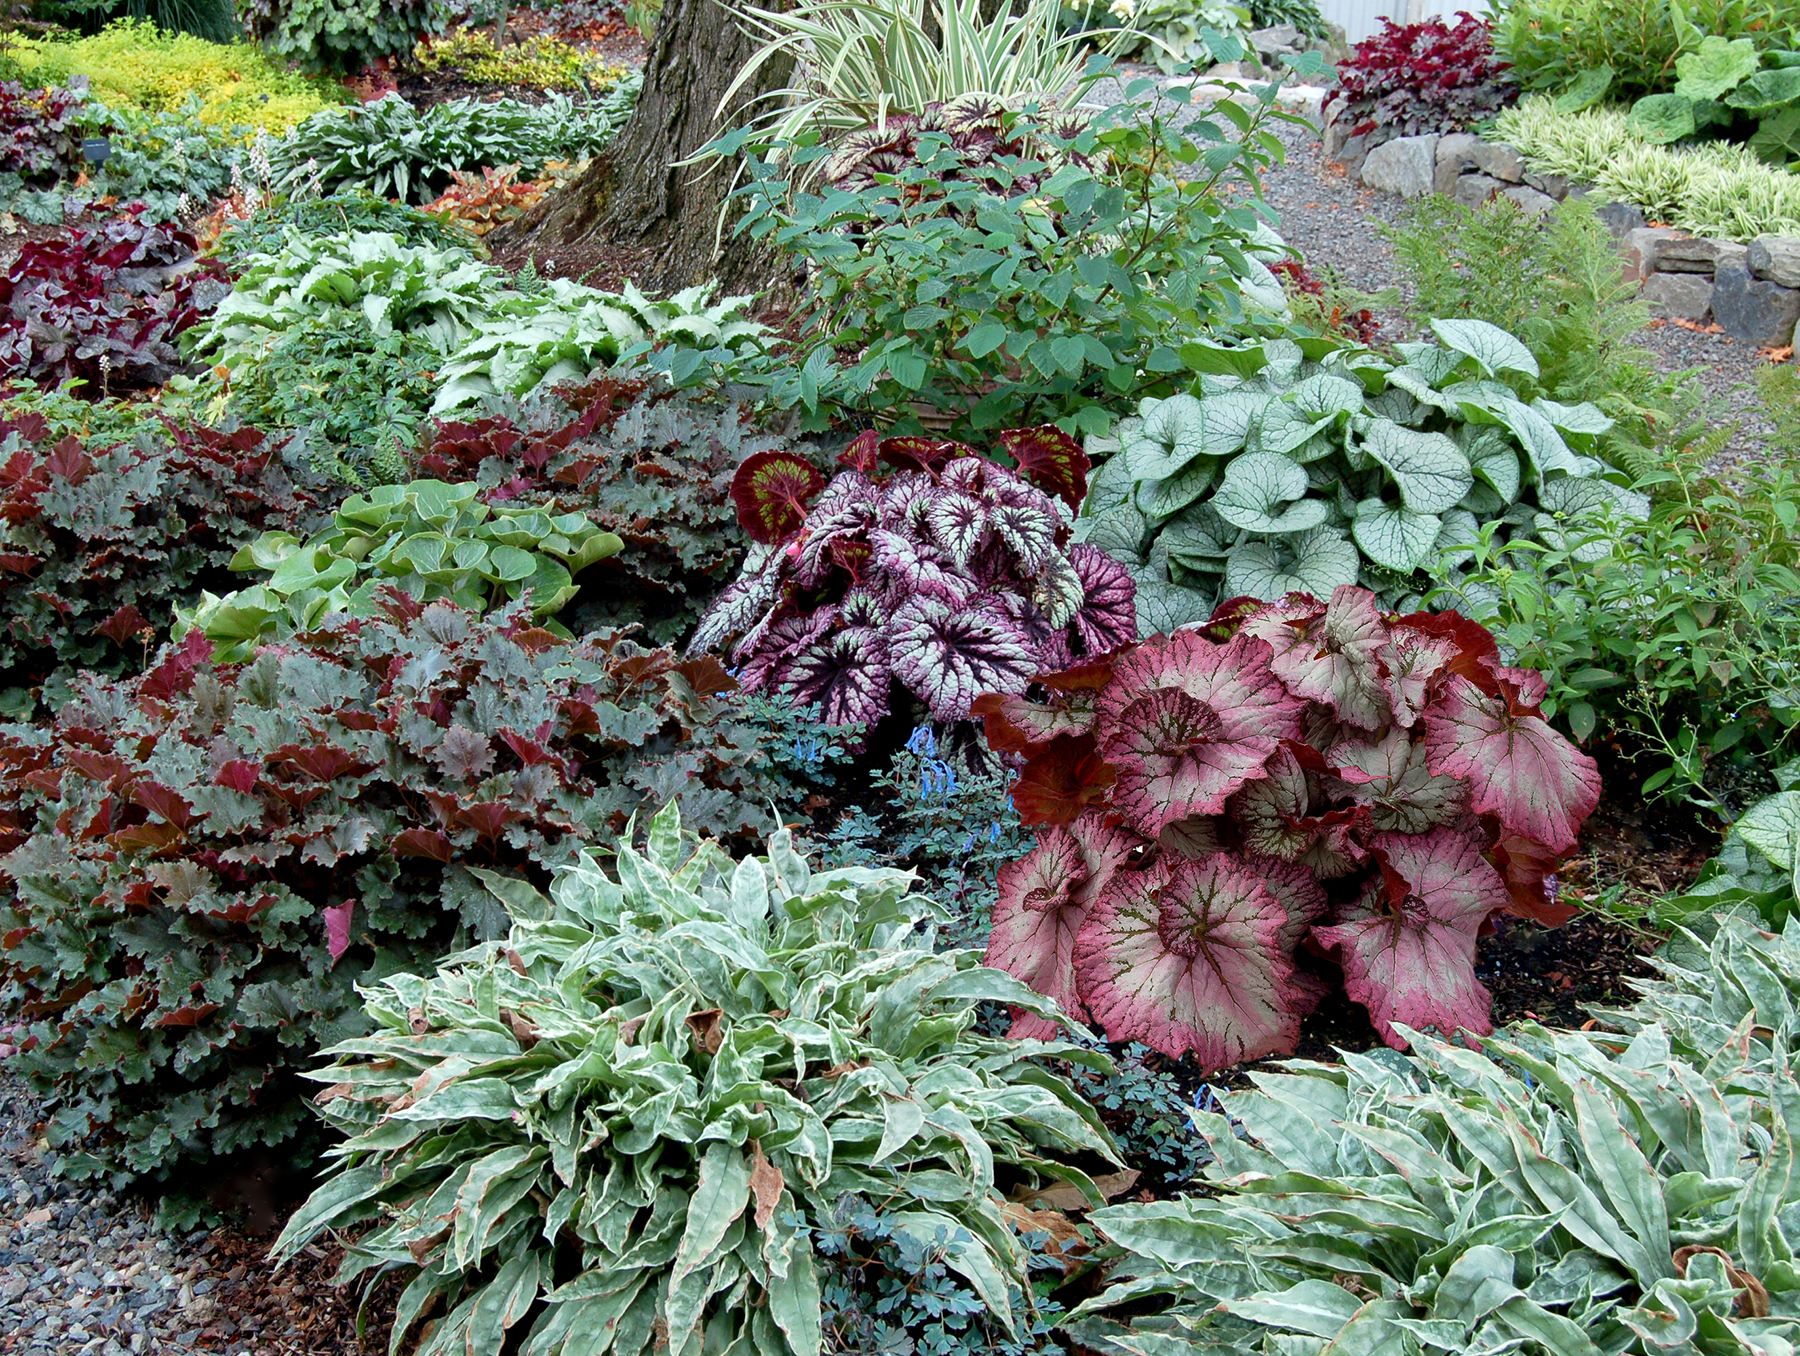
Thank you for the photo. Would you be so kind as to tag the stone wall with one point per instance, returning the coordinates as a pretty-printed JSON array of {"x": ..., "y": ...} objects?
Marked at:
[{"x": 1751, "y": 291}]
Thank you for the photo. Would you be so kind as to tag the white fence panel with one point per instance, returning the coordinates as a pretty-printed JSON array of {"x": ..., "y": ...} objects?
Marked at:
[{"x": 1360, "y": 18}]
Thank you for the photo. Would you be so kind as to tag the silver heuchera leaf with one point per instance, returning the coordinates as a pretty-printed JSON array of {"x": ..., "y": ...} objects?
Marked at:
[{"x": 950, "y": 656}]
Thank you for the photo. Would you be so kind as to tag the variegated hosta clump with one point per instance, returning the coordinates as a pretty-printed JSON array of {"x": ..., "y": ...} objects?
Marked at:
[
  {"x": 613, "y": 1130},
  {"x": 982, "y": 129},
  {"x": 921, "y": 562},
  {"x": 1576, "y": 1198},
  {"x": 1376, "y": 787},
  {"x": 1286, "y": 474}
]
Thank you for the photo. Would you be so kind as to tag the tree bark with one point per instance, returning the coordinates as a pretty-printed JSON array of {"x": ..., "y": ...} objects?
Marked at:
[{"x": 634, "y": 197}]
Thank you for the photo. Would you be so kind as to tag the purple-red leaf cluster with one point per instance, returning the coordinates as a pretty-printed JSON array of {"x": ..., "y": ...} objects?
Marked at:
[
  {"x": 1228, "y": 812},
  {"x": 1409, "y": 79},
  {"x": 40, "y": 133},
  {"x": 921, "y": 562},
  {"x": 103, "y": 306}
]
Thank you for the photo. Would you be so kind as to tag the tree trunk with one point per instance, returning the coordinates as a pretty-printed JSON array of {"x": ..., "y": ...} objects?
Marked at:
[{"x": 634, "y": 197}]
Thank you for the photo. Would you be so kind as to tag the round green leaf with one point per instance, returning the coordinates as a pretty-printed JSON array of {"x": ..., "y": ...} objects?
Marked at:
[
  {"x": 1393, "y": 536},
  {"x": 1429, "y": 468},
  {"x": 1265, "y": 492},
  {"x": 1316, "y": 561},
  {"x": 1662, "y": 118},
  {"x": 1490, "y": 346}
]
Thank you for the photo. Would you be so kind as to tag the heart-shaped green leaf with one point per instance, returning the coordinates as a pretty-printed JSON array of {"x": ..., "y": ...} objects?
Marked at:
[
  {"x": 1265, "y": 492},
  {"x": 1429, "y": 468}
]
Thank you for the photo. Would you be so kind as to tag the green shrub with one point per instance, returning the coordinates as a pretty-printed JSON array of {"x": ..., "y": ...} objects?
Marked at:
[
  {"x": 98, "y": 542},
  {"x": 428, "y": 539},
  {"x": 1033, "y": 277},
  {"x": 390, "y": 148},
  {"x": 655, "y": 1086},
  {"x": 1551, "y": 43},
  {"x": 1558, "y": 285},
  {"x": 205, "y": 860},
  {"x": 1293, "y": 475},
  {"x": 1561, "y": 1192},
  {"x": 349, "y": 212},
  {"x": 342, "y": 37}
]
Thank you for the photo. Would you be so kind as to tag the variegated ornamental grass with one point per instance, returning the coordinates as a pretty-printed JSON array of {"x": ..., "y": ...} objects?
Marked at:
[
  {"x": 611, "y": 1131},
  {"x": 1296, "y": 777}
]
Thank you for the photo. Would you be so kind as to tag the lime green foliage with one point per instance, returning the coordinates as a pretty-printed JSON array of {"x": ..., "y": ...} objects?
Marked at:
[
  {"x": 1711, "y": 188},
  {"x": 1683, "y": 630},
  {"x": 132, "y": 64},
  {"x": 1562, "y": 1192},
  {"x": 542, "y": 62},
  {"x": 1560, "y": 287},
  {"x": 648, "y": 1094},
  {"x": 563, "y": 331},
  {"x": 429, "y": 539},
  {"x": 1551, "y": 43}
]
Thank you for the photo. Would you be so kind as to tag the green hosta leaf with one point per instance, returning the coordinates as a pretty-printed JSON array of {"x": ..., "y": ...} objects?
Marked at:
[
  {"x": 1430, "y": 469},
  {"x": 1265, "y": 492},
  {"x": 1394, "y": 536},
  {"x": 1662, "y": 118},
  {"x": 1490, "y": 346},
  {"x": 1715, "y": 67},
  {"x": 1316, "y": 562}
]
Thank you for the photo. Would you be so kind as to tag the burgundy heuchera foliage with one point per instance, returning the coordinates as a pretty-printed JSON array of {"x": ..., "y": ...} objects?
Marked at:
[
  {"x": 1225, "y": 811},
  {"x": 920, "y": 561},
  {"x": 1409, "y": 79}
]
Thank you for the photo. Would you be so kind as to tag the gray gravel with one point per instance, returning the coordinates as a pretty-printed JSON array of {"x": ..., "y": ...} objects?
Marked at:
[{"x": 82, "y": 1271}]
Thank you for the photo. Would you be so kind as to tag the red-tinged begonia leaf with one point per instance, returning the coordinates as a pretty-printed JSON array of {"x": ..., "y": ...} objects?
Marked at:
[
  {"x": 1300, "y": 895},
  {"x": 1330, "y": 654},
  {"x": 1229, "y": 617},
  {"x": 764, "y": 654},
  {"x": 706, "y": 676},
  {"x": 189, "y": 1015},
  {"x": 164, "y": 803},
  {"x": 174, "y": 677},
  {"x": 746, "y": 601},
  {"x": 1051, "y": 460},
  {"x": 239, "y": 774},
  {"x": 1060, "y": 780},
  {"x": 1476, "y": 649},
  {"x": 337, "y": 928},
  {"x": 845, "y": 674},
  {"x": 1412, "y": 960},
  {"x": 950, "y": 656},
  {"x": 1197, "y": 837},
  {"x": 428, "y": 843},
  {"x": 97, "y": 767},
  {"x": 1538, "y": 784},
  {"x": 916, "y": 568},
  {"x": 1523, "y": 689},
  {"x": 1108, "y": 615},
  {"x": 1337, "y": 843},
  {"x": 1185, "y": 956},
  {"x": 1411, "y": 661},
  {"x": 1029, "y": 532},
  {"x": 1090, "y": 676},
  {"x": 1270, "y": 810},
  {"x": 1390, "y": 777},
  {"x": 957, "y": 523},
  {"x": 772, "y": 490},
  {"x": 1015, "y": 725},
  {"x": 860, "y": 455},
  {"x": 912, "y": 452},
  {"x": 488, "y": 818},
  {"x": 1529, "y": 870},
  {"x": 321, "y": 762},
  {"x": 845, "y": 510},
  {"x": 1187, "y": 723},
  {"x": 1044, "y": 899}
]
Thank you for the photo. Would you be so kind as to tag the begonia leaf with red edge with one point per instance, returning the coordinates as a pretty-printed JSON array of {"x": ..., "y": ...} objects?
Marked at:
[
  {"x": 1051, "y": 460},
  {"x": 1529, "y": 870},
  {"x": 1060, "y": 780},
  {"x": 772, "y": 490},
  {"x": 1330, "y": 653},
  {"x": 1185, "y": 956},
  {"x": 950, "y": 656}
]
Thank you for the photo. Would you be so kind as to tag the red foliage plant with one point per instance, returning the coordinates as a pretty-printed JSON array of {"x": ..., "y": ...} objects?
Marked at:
[
  {"x": 1301, "y": 780},
  {"x": 1409, "y": 79}
]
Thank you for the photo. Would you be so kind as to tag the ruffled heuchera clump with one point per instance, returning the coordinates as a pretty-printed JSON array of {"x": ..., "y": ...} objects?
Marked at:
[
  {"x": 1223, "y": 809},
  {"x": 920, "y": 562}
]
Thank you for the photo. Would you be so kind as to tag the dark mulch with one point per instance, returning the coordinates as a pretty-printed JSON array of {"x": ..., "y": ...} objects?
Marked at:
[{"x": 296, "y": 1311}]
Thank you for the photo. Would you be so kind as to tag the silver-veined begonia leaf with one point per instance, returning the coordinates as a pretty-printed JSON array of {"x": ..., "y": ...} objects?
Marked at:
[{"x": 951, "y": 655}]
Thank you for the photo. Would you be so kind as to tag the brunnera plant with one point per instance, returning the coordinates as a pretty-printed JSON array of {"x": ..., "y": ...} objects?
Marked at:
[
  {"x": 921, "y": 563},
  {"x": 204, "y": 861},
  {"x": 1222, "y": 808}
]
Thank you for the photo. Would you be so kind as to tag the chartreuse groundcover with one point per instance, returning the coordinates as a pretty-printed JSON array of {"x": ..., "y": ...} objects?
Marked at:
[{"x": 633, "y": 1106}]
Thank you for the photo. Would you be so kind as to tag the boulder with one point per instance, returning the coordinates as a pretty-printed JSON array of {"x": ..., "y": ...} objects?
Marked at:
[
  {"x": 1474, "y": 189},
  {"x": 1688, "y": 254},
  {"x": 1776, "y": 259},
  {"x": 1551, "y": 185},
  {"x": 1641, "y": 248},
  {"x": 1455, "y": 153},
  {"x": 1754, "y": 309},
  {"x": 1535, "y": 204},
  {"x": 1679, "y": 296},
  {"x": 1276, "y": 39},
  {"x": 1405, "y": 165},
  {"x": 1622, "y": 218},
  {"x": 1500, "y": 161}
]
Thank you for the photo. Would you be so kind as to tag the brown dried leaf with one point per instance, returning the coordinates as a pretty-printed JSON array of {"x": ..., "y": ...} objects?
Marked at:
[
  {"x": 415, "y": 1018},
  {"x": 1064, "y": 1196},
  {"x": 766, "y": 1184},
  {"x": 708, "y": 1028},
  {"x": 522, "y": 1027}
]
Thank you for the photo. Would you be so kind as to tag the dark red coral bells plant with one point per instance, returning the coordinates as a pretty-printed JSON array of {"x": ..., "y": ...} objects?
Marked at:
[
  {"x": 1226, "y": 812},
  {"x": 920, "y": 562}
]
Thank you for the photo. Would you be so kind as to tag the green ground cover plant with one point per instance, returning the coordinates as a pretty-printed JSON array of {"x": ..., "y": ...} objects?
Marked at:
[
  {"x": 663, "y": 1082},
  {"x": 256, "y": 839}
]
